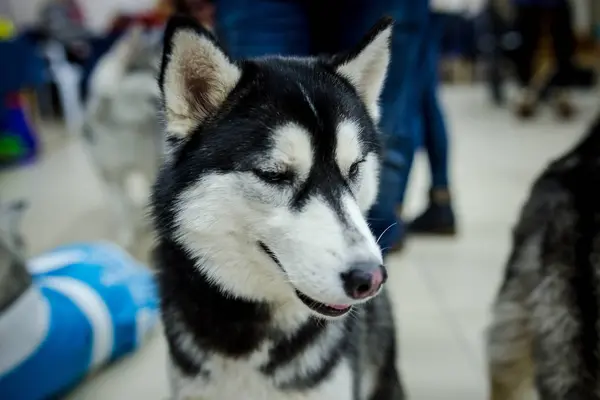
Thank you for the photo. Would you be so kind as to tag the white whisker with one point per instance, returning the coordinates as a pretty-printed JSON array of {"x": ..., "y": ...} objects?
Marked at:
[{"x": 383, "y": 233}]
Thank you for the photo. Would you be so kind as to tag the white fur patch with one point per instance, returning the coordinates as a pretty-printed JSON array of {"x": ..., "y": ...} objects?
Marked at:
[
  {"x": 348, "y": 150},
  {"x": 312, "y": 249},
  {"x": 367, "y": 71},
  {"x": 198, "y": 79},
  {"x": 217, "y": 220},
  {"x": 138, "y": 188},
  {"x": 369, "y": 183},
  {"x": 292, "y": 150},
  {"x": 363, "y": 246}
]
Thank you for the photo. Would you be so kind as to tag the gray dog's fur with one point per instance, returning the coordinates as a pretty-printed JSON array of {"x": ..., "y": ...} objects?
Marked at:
[
  {"x": 544, "y": 335},
  {"x": 122, "y": 130}
]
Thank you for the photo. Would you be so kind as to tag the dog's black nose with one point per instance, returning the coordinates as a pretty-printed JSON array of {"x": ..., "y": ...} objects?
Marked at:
[{"x": 364, "y": 280}]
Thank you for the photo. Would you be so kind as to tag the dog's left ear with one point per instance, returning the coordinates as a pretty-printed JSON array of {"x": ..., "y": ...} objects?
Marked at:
[
  {"x": 196, "y": 75},
  {"x": 366, "y": 65}
]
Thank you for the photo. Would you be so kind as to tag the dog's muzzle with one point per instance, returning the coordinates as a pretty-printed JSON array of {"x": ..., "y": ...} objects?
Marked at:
[{"x": 362, "y": 281}]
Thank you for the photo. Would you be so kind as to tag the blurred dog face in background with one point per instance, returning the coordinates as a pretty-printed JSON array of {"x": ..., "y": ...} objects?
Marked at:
[{"x": 122, "y": 130}]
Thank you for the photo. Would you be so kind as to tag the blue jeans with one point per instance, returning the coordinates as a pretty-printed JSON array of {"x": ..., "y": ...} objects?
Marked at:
[
  {"x": 251, "y": 28},
  {"x": 426, "y": 128},
  {"x": 435, "y": 136}
]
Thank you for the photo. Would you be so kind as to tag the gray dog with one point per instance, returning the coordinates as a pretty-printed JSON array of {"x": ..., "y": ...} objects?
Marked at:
[
  {"x": 122, "y": 128},
  {"x": 545, "y": 333}
]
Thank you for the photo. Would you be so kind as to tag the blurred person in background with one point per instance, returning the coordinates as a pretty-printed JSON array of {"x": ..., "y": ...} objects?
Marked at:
[
  {"x": 63, "y": 21},
  {"x": 409, "y": 102},
  {"x": 438, "y": 218},
  {"x": 531, "y": 17}
]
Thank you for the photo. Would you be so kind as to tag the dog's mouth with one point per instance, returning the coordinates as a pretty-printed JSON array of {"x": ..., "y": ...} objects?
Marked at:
[{"x": 328, "y": 310}]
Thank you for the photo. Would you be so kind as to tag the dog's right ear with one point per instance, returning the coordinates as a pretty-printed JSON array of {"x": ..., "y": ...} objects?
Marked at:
[
  {"x": 366, "y": 65},
  {"x": 196, "y": 75}
]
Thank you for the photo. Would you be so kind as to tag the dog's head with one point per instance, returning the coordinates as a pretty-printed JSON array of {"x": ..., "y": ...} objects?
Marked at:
[
  {"x": 272, "y": 164},
  {"x": 123, "y": 94}
]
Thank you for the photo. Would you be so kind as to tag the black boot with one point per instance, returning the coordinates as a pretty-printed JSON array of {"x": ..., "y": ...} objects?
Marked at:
[{"x": 438, "y": 218}]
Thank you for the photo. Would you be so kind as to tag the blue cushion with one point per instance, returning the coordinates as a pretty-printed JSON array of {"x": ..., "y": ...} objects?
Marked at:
[{"x": 100, "y": 303}]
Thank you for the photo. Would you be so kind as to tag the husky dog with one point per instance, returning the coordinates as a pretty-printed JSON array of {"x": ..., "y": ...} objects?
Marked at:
[
  {"x": 122, "y": 129},
  {"x": 271, "y": 282},
  {"x": 545, "y": 331}
]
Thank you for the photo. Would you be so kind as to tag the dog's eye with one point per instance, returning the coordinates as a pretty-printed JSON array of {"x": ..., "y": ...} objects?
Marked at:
[
  {"x": 274, "y": 177},
  {"x": 355, "y": 169}
]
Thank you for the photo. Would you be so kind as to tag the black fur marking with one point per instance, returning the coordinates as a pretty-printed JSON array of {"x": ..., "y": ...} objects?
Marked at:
[
  {"x": 184, "y": 362},
  {"x": 270, "y": 253},
  {"x": 289, "y": 348},
  {"x": 237, "y": 327},
  {"x": 315, "y": 377},
  {"x": 173, "y": 141},
  {"x": 388, "y": 384}
]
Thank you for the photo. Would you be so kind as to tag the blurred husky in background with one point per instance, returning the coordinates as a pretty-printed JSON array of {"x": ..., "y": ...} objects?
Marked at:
[
  {"x": 122, "y": 129},
  {"x": 545, "y": 330}
]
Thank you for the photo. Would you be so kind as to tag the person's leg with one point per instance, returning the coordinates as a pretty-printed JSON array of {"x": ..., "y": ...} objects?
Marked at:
[
  {"x": 438, "y": 218},
  {"x": 563, "y": 40},
  {"x": 435, "y": 135},
  {"x": 399, "y": 120},
  {"x": 528, "y": 24},
  {"x": 491, "y": 27},
  {"x": 253, "y": 28}
]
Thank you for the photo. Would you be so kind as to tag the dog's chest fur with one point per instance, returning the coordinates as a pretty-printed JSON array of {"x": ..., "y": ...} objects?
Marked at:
[
  {"x": 231, "y": 379},
  {"x": 248, "y": 349}
]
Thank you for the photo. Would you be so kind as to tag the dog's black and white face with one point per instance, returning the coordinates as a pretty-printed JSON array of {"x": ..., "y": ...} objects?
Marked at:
[{"x": 272, "y": 165}]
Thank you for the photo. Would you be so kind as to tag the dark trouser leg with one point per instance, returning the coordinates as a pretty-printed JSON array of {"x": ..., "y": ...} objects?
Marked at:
[
  {"x": 438, "y": 218},
  {"x": 435, "y": 136},
  {"x": 563, "y": 41},
  {"x": 493, "y": 52},
  {"x": 528, "y": 24}
]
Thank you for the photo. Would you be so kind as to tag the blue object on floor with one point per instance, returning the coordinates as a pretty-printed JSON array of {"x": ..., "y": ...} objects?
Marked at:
[
  {"x": 18, "y": 141},
  {"x": 90, "y": 304}
]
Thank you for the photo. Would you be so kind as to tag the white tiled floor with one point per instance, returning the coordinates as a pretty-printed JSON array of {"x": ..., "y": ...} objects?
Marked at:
[{"x": 442, "y": 287}]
